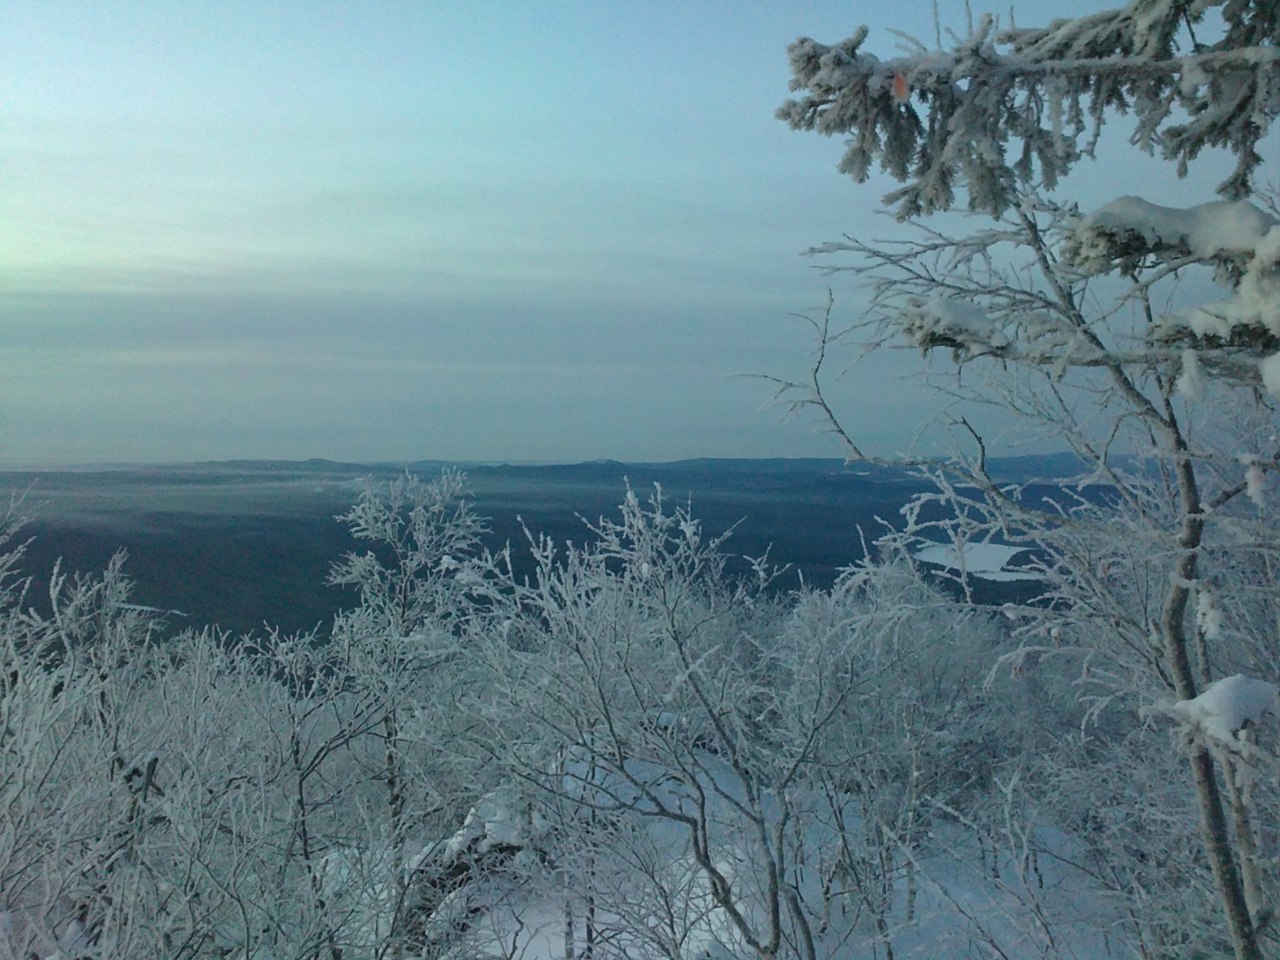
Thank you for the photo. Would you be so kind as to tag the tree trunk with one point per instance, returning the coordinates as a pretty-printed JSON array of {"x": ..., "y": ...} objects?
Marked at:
[
  {"x": 1213, "y": 819},
  {"x": 395, "y": 817},
  {"x": 568, "y": 931},
  {"x": 1217, "y": 840}
]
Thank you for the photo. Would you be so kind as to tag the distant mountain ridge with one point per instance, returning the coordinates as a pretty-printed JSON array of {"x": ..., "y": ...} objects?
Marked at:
[{"x": 1032, "y": 466}]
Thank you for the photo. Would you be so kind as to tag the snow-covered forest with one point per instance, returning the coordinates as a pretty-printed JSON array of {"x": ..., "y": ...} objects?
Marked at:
[{"x": 635, "y": 753}]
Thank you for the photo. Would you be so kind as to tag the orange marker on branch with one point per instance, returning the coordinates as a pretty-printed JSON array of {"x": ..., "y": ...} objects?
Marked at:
[{"x": 901, "y": 92}]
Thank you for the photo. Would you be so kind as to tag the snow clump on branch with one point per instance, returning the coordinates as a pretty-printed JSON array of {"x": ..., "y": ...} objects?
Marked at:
[
  {"x": 1238, "y": 239},
  {"x": 1226, "y": 708}
]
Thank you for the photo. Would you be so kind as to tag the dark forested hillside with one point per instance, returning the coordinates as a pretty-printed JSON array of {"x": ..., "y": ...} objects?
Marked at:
[{"x": 247, "y": 542}]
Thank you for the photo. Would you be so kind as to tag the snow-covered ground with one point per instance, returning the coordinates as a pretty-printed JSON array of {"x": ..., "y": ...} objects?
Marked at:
[{"x": 948, "y": 896}]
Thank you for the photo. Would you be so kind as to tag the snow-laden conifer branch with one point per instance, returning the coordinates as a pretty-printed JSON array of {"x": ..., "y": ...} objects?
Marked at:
[{"x": 1047, "y": 91}]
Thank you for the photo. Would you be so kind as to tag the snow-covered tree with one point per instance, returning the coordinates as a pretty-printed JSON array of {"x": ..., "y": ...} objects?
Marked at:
[
  {"x": 693, "y": 760},
  {"x": 1083, "y": 322},
  {"x": 202, "y": 795},
  {"x": 421, "y": 581}
]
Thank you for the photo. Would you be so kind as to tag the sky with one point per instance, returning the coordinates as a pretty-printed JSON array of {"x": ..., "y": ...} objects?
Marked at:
[{"x": 394, "y": 231}]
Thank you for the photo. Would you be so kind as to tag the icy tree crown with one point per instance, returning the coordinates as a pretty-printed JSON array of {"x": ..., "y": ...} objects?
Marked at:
[{"x": 1005, "y": 108}]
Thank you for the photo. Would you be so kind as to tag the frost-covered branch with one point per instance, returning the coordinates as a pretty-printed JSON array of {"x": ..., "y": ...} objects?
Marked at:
[{"x": 1047, "y": 90}]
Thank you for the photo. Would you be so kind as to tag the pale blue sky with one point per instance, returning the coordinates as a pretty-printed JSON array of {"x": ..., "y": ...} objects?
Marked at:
[{"x": 528, "y": 231}]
